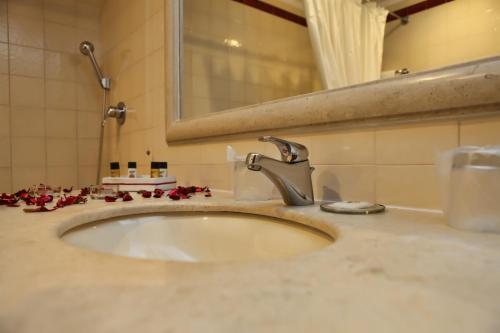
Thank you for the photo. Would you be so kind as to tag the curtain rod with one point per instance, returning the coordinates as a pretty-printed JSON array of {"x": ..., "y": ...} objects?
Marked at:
[
  {"x": 273, "y": 10},
  {"x": 404, "y": 19}
]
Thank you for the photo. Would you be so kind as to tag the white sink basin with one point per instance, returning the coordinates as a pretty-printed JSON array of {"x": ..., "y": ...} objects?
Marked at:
[{"x": 198, "y": 237}]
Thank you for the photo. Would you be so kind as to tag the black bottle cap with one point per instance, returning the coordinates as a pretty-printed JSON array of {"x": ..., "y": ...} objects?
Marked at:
[
  {"x": 114, "y": 165},
  {"x": 163, "y": 165},
  {"x": 154, "y": 165},
  {"x": 132, "y": 165}
]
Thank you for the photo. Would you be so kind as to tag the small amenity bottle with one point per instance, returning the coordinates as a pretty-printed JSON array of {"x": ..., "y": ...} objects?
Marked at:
[
  {"x": 155, "y": 170},
  {"x": 163, "y": 169},
  {"x": 115, "y": 169},
  {"x": 132, "y": 169}
]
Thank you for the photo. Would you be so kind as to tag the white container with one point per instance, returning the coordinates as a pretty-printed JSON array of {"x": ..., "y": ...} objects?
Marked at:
[
  {"x": 139, "y": 183},
  {"x": 470, "y": 182},
  {"x": 249, "y": 185}
]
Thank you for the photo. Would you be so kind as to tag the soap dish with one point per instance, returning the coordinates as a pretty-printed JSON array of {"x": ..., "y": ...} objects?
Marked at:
[{"x": 352, "y": 207}]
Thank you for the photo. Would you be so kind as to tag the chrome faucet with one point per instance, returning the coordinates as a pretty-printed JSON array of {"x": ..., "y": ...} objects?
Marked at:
[{"x": 291, "y": 175}]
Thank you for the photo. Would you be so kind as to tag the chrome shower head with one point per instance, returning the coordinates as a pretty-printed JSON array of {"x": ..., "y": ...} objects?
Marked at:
[{"x": 86, "y": 47}]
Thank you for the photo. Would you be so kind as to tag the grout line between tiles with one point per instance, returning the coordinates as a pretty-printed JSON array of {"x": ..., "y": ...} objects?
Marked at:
[
  {"x": 45, "y": 98},
  {"x": 9, "y": 101},
  {"x": 375, "y": 188}
]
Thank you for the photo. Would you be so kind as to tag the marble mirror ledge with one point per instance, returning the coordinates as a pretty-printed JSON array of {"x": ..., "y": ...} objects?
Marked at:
[{"x": 465, "y": 90}]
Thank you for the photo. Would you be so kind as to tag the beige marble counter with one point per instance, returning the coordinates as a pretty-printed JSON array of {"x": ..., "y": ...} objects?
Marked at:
[{"x": 401, "y": 271}]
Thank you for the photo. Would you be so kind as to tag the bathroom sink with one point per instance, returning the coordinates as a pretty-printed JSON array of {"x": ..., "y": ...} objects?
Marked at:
[{"x": 198, "y": 237}]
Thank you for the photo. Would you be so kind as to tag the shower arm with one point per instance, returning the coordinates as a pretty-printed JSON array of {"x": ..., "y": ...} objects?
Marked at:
[{"x": 105, "y": 82}]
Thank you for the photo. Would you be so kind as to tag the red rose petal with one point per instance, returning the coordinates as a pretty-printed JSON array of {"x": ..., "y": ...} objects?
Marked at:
[
  {"x": 146, "y": 194},
  {"x": 127, "y": 197},
  {"x": 158, "y": 193}
]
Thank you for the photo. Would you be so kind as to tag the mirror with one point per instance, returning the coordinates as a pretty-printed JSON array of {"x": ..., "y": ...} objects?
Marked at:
[{"x": 237, "y": 53}]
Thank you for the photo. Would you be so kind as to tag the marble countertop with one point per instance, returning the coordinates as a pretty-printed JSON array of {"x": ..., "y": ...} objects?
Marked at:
[{"x": 401, "y": 271}]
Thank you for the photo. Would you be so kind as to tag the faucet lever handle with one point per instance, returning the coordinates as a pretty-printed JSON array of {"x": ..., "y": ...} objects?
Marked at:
[{"x": 291, "y": 152}]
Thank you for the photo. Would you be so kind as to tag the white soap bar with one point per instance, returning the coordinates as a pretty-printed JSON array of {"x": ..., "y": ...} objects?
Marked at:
[{"x": 350, "y": 205}]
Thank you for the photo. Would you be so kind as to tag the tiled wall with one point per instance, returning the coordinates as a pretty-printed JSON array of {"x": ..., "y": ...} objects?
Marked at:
[
  {"x": 273, "y": 59},
  {"x": 389, "y": 164},
  {"x": 49, "y": 99},
  {"x": 134, "y": 59},
  {"x": 458, "y": 31}
]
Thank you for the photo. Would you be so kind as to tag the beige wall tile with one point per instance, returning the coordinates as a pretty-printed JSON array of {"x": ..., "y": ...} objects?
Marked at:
[
  {"x": 214, "y": 176},
  {"x": 154, "y": 7},
  {"x": 28, "y": 8},
  {"x": 26, "y": 91},
  {"x": 185, "y": 154},
  {"x": 87, "y": 152},
  {"x": 26, "y": 61},
  {"x": 28, "y": 152},
  {"x": 154, "y": 32},
  {"x": 138, "y": 146},
  {"x": 32, "y": 26},
  {"x": 87, "y": 175},
  {"x": 5, "y": 151},
  {"x": 3, "y": 21},
  {"x": 4, "y": 120},
  {"x": 154, "y": 107},
  {"x": 28, "y": 122},
  {"x": 89, "y": 124},
  {"x": 61, "y": 123},
  {"x": 5, "y": 180},
  {"x": 343, "y": 147},
  {"x": 60, "y": 11},
  {"x": 414, "y": 144},
  {"x": 65, "y": 176},
  {"x": 135, "y": 15},
  {"x": 480, "y": 132},
  {"x": 4, "y": 89},
  {"x": 62, "y": 152},
  {"x": 60, "y": 37},
  {"x": 410, "y": 186},
  {"x": 185, "y": 174},
  {"x": 24, "y": 177},
  {"x": 88, "y": 15},
  {"x": 4, "y": 58},
  {"x": 133, "y": 80},
  {"x": 89, "y": 97},
  {"x": 84, "y": 71},
  {"x": 25, "y": 30},
  {"x": 345, "y": 182},
  {"x": 61, "y": 66},
  {"x": 60, "y": 94},
  {"x": 155, "y": 70}
]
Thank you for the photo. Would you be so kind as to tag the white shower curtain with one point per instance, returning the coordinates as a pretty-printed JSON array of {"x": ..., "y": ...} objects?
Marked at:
[{"x": 347, "y": 38}]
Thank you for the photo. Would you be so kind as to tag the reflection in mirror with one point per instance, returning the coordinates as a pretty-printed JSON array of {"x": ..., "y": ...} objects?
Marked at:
[{"x": 238, "y": 53}]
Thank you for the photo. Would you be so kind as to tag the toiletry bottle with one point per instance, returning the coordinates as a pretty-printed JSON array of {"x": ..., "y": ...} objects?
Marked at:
[
  {"x": 132, "y": 169},
  {"x": 155, "y": 171},
  {"x": 115, "y": 169},
  {"x": 163, "y": 168}
]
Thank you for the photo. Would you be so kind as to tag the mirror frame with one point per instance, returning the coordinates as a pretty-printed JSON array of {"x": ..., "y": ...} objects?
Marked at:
[{"x": 457, "y": 91}]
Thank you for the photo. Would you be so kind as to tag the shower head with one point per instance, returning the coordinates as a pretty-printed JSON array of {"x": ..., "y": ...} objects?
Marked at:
[{"x": 87, "y": 48}]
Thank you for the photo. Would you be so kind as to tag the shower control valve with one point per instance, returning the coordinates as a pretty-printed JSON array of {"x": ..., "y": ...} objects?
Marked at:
[{"x": 119, "y": 112}]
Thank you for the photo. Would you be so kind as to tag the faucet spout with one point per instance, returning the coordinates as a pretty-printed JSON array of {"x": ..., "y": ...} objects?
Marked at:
[{"x": 293, "y": 180}]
